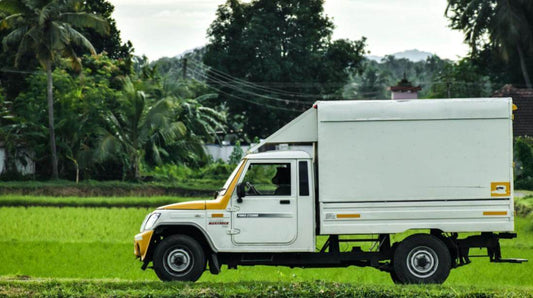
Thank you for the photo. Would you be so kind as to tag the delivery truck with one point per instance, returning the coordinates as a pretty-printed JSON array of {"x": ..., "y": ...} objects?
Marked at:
[{"x": 413, "y": 188}]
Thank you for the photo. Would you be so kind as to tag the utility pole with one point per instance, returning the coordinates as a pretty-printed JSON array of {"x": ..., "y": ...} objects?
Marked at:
[{"x": 184, "y": 68}]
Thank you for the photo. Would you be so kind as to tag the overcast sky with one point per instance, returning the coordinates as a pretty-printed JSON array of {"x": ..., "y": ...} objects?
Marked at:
[{"x": 159, "y": 28}]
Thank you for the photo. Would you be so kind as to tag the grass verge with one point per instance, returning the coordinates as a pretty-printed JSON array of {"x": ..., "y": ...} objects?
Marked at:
[
  {"x": 126, "y": 202},
  {"x": 91, "y": 188},
  {"x": 83, "y": 288}
]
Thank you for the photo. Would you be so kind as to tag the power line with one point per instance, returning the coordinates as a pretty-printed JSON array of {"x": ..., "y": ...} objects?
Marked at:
[
  {"x": 224, "y": 75},
  {"x": 252, "y": 102},
  {"x": 251, "y": 85},
  {"x": 235, "y": 88}
]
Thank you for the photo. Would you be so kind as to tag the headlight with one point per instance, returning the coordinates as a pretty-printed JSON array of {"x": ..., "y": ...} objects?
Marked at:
[
  {"x": 151, "y": 221},
  {"x": 144, "y": 221}
]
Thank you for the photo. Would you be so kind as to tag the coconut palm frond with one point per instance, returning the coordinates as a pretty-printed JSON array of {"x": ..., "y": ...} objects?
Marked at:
[{"x": 85, "y": 20}]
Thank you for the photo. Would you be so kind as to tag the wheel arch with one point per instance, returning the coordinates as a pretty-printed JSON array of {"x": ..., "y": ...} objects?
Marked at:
[
  {"x": 449, "y": 241},
  {"x": 192, "y": 230}
]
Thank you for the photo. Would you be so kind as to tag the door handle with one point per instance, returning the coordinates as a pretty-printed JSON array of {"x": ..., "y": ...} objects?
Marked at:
[{"x": 285, "y": 202}]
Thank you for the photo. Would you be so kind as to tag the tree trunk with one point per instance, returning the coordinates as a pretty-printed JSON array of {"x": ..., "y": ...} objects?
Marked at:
[
  {"x": 137, "y": 167},
  {"x": 50, "y": 97},
  {"x": 77, "y": 173},
  {"x": 523, "y": 66}
]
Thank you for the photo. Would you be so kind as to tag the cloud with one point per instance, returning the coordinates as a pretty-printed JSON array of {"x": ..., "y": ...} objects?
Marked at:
[{"x": 169, "y": 27}]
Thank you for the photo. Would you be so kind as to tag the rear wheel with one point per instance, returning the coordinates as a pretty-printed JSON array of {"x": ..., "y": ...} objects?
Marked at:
[
  {"x": 394, "y": 277},
  {"x": 421, "y": 259},
  {"x": 179, "y": 257}
]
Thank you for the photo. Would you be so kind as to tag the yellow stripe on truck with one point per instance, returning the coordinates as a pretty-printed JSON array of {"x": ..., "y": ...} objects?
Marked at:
[
  {"x": 222, "y": 202},
  {"x": 219, "y": 204}
]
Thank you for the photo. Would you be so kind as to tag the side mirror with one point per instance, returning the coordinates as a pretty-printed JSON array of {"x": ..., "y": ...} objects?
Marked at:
[{"x": 240, "y": 192}]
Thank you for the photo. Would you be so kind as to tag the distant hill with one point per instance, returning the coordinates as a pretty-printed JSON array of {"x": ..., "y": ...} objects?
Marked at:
[{"x": 413, "y": 55}]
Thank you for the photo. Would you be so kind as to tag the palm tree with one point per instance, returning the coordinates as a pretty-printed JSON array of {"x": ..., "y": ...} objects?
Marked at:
[
  {"x": 46, "y": 28},
  {"x": 138, "y": 122},
  {"x": 506, "y": 23},
  {"x": 202, "y": 122}
]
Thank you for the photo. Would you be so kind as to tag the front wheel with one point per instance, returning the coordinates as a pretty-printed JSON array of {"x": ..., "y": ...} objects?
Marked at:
[
  {"x": 179, "y": 257},
  {"x": 421, "y": 259}
]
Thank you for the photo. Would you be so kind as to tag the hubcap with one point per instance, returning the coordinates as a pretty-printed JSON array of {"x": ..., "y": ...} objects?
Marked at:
[
  {"x": 422, "y": 262},
  {"x": 178, "y": 260}
]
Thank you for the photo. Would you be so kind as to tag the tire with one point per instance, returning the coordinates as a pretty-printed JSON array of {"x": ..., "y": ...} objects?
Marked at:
[
  {"x": 394, "y": 277},
  {"x": 179, "y": 257},
  {"x": 421, "y": 259}
]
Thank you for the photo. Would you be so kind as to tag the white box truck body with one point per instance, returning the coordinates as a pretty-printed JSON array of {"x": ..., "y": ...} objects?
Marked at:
[{"x": 438, "y": 167}]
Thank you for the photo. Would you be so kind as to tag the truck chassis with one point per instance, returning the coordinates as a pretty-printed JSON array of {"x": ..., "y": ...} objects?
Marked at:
[{"x": 387, "y": 257}]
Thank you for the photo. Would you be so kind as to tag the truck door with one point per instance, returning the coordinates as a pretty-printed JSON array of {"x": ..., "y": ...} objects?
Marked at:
[{"x": 267, "y": 213}]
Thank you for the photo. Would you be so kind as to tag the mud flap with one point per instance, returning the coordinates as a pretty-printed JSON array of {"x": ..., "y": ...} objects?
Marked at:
[{"x": 214, "y": 265}]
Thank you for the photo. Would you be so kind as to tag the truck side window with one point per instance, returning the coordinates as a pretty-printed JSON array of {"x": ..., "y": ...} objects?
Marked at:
[
  {"x": 303, "y": 173},
  {"x": 264, "y": 179}
]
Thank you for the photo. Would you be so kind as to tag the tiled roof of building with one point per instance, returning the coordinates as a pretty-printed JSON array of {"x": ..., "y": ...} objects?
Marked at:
[
  {"x": 523, "y": 117},
  {"x": 405, "y": 86}
]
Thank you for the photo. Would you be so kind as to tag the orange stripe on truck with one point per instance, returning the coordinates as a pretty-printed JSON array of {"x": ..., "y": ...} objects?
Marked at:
[
  {"x": 349, "y": 215},
  {"x": 494, "y": 212}
]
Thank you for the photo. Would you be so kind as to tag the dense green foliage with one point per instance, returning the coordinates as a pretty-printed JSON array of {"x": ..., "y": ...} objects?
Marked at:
[
  {"x": 285, "y": 49},
  {"x": 104, "y": 113},
  {"x": 524, "y": 163},
  {"x": 500, "y": 35},
  {"x": 115, "y": 116},
  {"x": 106, "y": 121},
  {"x": 48, "y": 30},
  {"x": 98, "y": 243},
  {"x": 438, "y": 78}
]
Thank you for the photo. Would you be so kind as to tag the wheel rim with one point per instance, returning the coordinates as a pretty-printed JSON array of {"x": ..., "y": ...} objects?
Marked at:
[
  {"x": 422, "y": 261},
  {"x": 179, "y": 260}
]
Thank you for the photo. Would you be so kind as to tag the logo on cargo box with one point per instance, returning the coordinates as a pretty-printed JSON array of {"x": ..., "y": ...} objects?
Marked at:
[{"x": 500, "y": 189}]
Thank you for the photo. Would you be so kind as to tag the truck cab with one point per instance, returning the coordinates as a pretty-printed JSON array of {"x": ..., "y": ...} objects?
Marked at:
[{"x": 266, "y": 205}]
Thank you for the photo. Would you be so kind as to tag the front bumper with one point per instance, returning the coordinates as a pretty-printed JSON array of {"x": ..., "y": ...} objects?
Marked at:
[{"x": 142, "y": 241}]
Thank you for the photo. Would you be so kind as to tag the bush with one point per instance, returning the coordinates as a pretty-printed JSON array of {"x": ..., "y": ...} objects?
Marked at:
[
  {"x": 236, "y": 154},
  {"x": 524, "y": 206},
  {"x": 171, "y": 173},
  {"x": 524, "y": 163},
  {"x": 524, "y": 183},
  {"x": 178, "y": 173},
  {"x": 216, "y": 170}
]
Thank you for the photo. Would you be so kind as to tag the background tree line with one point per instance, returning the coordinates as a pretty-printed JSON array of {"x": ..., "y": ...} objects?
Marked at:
[{"x": 69, "y": 79}]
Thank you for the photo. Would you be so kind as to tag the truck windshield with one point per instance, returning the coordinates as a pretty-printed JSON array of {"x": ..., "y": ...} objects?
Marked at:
[{"x": 222, "y": 191}]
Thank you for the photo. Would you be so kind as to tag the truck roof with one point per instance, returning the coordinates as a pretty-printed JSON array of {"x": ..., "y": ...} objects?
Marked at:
[
  {"x": 289, "y": 154},
  {"x": 431, "y": 109},
  {"x": 305, "y": 128}
]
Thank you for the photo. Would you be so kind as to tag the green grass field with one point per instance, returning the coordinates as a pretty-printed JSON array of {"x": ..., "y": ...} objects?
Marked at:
[{"x": 97, "y": 243}]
